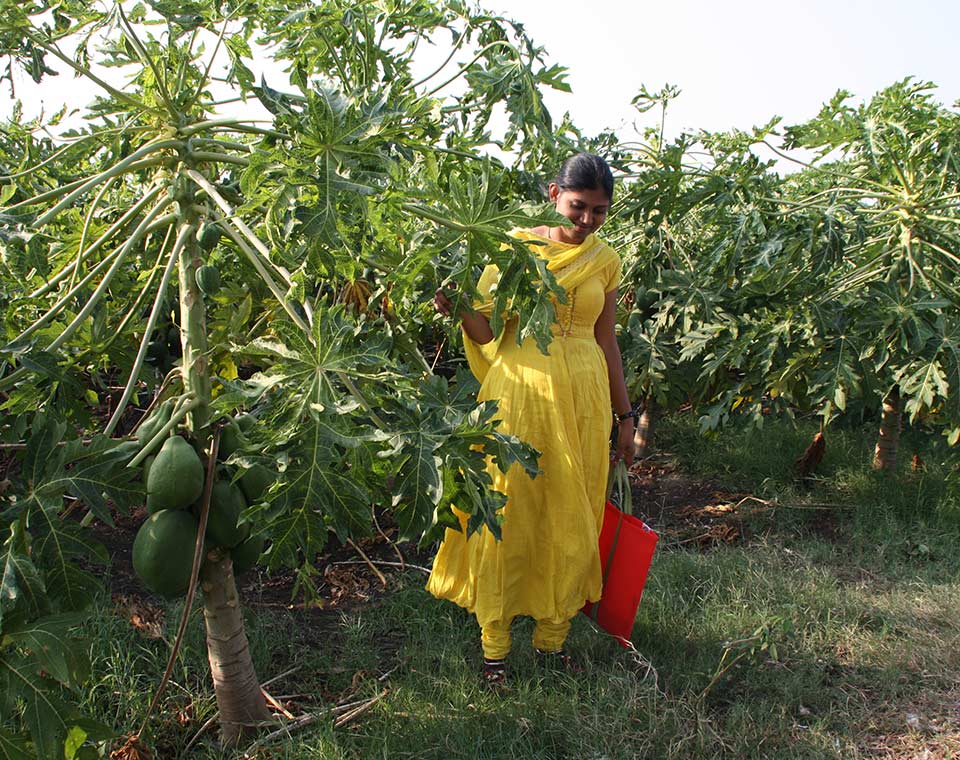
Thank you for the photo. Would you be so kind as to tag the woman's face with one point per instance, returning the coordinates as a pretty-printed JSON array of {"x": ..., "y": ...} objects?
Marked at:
[{"x": 586, "y": 209}]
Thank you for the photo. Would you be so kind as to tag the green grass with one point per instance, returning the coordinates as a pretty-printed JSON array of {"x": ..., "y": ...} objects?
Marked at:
[{"x": 797, "y": 643}]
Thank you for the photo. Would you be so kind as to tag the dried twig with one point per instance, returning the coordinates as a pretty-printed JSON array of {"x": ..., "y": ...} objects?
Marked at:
[
  {"x": 384, "y": 676},
  {"x": 282, "y": 675},
  {"x": 200, "y": 732},
  {"x": 276, "y": 705},
  {"x": 305, "y": 720},
  {"x": 347, "y": 717},
  {"x": 384, "y": 563},
  {"x": 701, "y": 537},
  {"x": 366, "y": 559},
  {"x": 386, "y": 538}
]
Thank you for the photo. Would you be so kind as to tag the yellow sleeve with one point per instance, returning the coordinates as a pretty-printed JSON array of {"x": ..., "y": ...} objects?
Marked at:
[{"x": 613, "y": 274}]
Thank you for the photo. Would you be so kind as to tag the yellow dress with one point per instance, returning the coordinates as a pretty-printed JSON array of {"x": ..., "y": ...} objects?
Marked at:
[{"x": 547, "y": 563}]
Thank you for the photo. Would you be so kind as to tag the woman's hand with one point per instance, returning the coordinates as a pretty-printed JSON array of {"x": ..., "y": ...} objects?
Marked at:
[
  {"x": 623, "y": 449},
  {"x": 441, "y": 302},
  {"x": 476, "y": 326}
]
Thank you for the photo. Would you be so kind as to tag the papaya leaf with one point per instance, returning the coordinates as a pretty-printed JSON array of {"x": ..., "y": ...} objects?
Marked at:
[
  {"x": 53, "y": 647},
  {"x": 441, "y": 400},
  {"x": 21, "y": 584},
  {"x": 13, "y": 747},
  {"x": 333, "y": 492},
  {"x": 505, "y": 450},
  {"x": 313, "y": 367},
  {"x": 81, "y": 737},
  {"x": 418, "y": 482},
  {"x": 47, "y": 717},
  {"x": 323, "y": 488},
  {"x": 923, "y": 387}
]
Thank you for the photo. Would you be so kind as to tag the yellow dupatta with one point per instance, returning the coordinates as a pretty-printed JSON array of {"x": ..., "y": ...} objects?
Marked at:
[{"x": 570, "y": 264}]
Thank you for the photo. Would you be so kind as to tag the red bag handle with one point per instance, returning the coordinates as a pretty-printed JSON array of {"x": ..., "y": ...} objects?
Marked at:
[{"x": 621, "y": 478}]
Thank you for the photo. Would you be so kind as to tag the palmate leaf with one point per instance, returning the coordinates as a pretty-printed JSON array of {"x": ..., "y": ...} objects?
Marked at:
[
  {"x": 22, "y": 589},
  {"x": 85, "y": 471},
  {"x": 58, "y": 547},
  {"x": 922, "y": 387},
  {"x": 474, "y": 218},
  {"x": 435, "y": 398},
  {"x": 418, "y": 482},
  {"x": 437, "y": 454},
  {"x": 478, "y": 427},
  {"x": 53, "y": 469},
  {"x": 320, "y": 175},
  {"x": 323, "y": 488},
  {"x": 312, "y": 367},
  {"x": 13, "y": 747},
  {"x": 50, "y": 643},
  {"x": 47, "y": 716}
]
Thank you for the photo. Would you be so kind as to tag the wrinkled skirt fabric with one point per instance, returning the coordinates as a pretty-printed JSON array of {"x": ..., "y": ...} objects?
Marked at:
[{"x": 547, "y": 564}]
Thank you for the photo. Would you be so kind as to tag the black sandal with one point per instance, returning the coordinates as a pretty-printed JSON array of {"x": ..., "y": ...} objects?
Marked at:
[{"x": 494, "y": 673}]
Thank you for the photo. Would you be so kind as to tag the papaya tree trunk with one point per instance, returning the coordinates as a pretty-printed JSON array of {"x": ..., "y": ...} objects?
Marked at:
[
  {"x": 643, "y": 437},
  {"x": 885, "y": 454},
  {"x": 239, "y": 696},
  {"x": 240, "y": 700},
  {"x": 193, "y": 327}
]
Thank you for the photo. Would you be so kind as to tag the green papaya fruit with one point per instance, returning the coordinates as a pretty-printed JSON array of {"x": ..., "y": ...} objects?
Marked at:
[
  {"x": 151, "y": 426},
  {"x": 208, "y": 279},
  {"x": 231, "y": 439},
  {"x": 255, "y": 481},
  {"x": 176, "y": 476},
  {"x": 226, "y": 506},
  {"x": 246, "y": 554},
  {"x": 163, "y": 552},
  {"x": 209, "y": 237},
  {"x": 246, "y": 421},
  {"x": 126, "y": 449},
  {"x": 147, "y": 462}
]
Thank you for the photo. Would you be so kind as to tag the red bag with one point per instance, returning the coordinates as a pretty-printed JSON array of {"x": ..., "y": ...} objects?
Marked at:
[{"x": 626, "y": 551}]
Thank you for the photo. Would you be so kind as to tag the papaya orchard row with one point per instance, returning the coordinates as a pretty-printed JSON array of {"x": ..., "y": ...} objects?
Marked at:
[{"x": 829, "y": 291}]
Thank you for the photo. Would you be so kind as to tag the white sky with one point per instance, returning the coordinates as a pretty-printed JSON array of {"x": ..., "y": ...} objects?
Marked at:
[{"x": 737, "y": 63}]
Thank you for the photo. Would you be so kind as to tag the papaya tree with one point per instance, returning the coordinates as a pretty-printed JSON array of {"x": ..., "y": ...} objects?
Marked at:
[
  {"x": 248, "y": 239},
  {"x": 711, "y": 271},
  {"x": 892, "y": 162},
  {"x": 798, "y": 293}
]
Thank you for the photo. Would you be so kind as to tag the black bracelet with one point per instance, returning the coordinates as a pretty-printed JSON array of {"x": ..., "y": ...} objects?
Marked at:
[{"x": 631, "y": 414}]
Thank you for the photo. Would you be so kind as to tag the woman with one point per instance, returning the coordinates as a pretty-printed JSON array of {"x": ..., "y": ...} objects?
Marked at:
[{"x": 547, "y": 563}]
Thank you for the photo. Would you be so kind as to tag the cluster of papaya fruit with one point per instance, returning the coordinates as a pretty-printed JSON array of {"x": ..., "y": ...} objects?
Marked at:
[{"x": 164, "y": 545}]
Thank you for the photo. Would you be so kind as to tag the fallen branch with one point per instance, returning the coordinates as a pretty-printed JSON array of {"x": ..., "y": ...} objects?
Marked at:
[
  {"x": 282, "y": 675},
  {"x": 306, "y": 720},
  {"x": 276, "y": 704},
  {"x": 383, "y": 563},
  {"x": 347, "y": 717},
  {"x": 366, "y": 559}
]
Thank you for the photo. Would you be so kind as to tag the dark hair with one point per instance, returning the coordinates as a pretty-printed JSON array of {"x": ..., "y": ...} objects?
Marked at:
[{"x": 585, "y": 171}]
